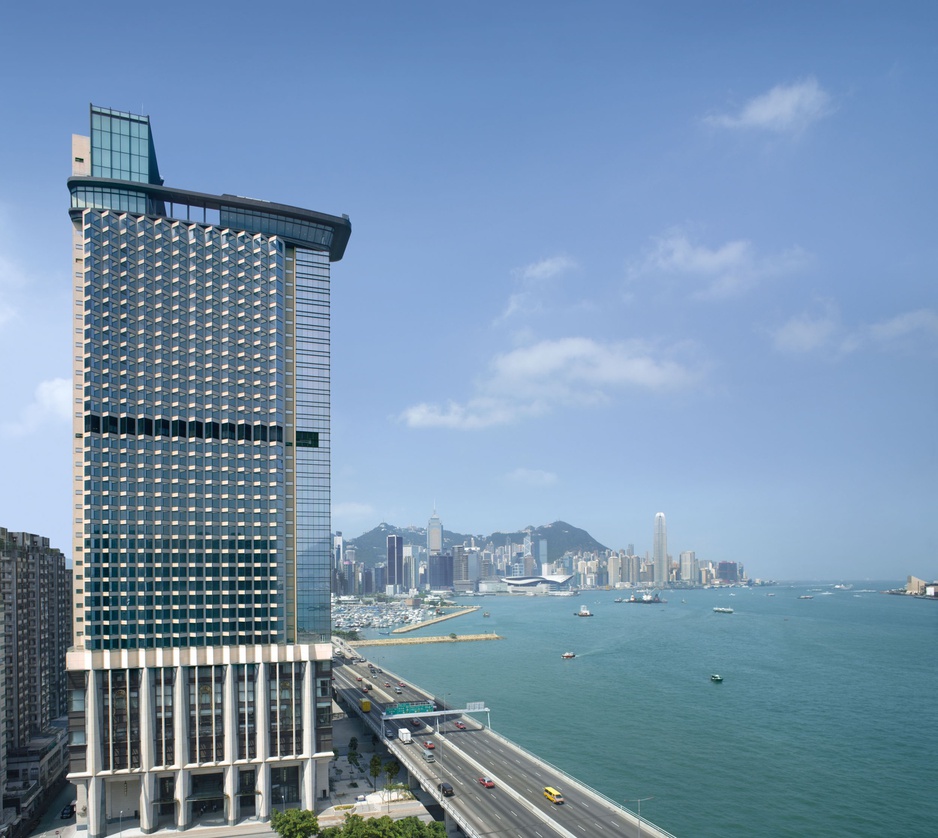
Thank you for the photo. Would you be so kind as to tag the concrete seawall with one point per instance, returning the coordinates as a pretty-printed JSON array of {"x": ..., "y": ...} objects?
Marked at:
[
  {"x": 402, "y": 641},
  {"x": 440, "y": 619}
]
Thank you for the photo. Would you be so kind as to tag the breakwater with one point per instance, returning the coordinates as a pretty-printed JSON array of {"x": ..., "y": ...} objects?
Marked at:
[
  {"x": 413, "y": 626},
  {"x": 403, "y": 641}
]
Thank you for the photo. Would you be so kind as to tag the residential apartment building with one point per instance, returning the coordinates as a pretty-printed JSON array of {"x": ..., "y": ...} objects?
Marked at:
[{"x": 36, "y": 634}]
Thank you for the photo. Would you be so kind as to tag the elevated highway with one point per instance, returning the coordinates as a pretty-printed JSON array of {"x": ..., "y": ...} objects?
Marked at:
[{"x": 465, "y": 750}]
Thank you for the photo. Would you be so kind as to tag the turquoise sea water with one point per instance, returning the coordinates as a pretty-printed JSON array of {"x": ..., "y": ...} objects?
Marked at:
[{"x": 825, "y": 723}]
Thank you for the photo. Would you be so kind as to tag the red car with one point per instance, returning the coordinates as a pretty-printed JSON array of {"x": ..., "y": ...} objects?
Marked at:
[
  {"x": 401, "y": 684},
  {"x": 460, "y": 726},
  {"x": 487, "y": 782},
  {"x": 358, "y": 678},
  {"x": 429, "y": 745}
]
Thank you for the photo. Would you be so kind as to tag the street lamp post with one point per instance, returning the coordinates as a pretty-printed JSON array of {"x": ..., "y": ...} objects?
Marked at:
[
  {"x": 120, "y": 823},
  {"x": 639, "y": 801}
]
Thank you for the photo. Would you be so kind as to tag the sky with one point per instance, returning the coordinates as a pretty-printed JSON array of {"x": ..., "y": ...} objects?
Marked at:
[{"x": 608, "y": 259}]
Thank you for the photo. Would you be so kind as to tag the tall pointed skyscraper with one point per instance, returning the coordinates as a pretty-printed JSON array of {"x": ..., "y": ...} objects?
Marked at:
[
  {"x": 661, "y": 550},
  {"x": 435, "y": 535},
  {"x": 200, "y": 677}
]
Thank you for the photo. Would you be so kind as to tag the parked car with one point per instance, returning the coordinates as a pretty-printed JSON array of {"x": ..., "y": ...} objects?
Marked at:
[{"x": 68, "y": 812}]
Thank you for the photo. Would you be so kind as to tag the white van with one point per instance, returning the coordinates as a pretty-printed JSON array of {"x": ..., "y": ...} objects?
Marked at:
[{"x": 428, "y": 756}]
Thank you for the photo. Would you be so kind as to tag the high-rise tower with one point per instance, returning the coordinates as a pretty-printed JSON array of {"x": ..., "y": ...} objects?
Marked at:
[
  {"x": 395, "y": 562},
  {"x": 435, "y": 535},
  {"x": 200, "y": 676},
  {"x": 661, "y": 550}
]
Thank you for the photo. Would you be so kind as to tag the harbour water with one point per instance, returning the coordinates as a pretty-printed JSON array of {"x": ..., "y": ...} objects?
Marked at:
[{"x": 824, "y": 725}]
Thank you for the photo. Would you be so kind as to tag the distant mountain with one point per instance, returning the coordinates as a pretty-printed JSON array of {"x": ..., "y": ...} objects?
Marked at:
[{"x": 372, "y": 547}]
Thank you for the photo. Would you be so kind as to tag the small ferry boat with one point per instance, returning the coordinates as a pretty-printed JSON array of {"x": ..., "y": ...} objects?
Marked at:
[
  {"x": 717, "y": 679},
  {"x": 568, "y": 655},
  {"x": 806, "y": 596},
  {"x": 721, "y": 610},
  {"x": 583, "y": 612}
]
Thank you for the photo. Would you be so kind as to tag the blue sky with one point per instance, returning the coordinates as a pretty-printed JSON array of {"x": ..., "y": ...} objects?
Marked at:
[{"x": 608, "y": 259}]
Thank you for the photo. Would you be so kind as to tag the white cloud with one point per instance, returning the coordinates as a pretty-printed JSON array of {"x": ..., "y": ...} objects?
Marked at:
[
  {"x": 546, "y": 268},
  {"x": 532, "y": 478},
  {"x": 534, "y": 380},
  {"x": 823, "y": 331},
  {"x": 785, "y": 109},
  {"x": 805, "y": 333},
  {"x": 726, "y": 271},
  {"x": 922, "y": 321},
  {"x": 51, "y": 402},
  {"x": 534, "y": 279}
]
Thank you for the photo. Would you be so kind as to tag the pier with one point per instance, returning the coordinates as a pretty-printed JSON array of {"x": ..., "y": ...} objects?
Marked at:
[{"x": 402, "y": 641}]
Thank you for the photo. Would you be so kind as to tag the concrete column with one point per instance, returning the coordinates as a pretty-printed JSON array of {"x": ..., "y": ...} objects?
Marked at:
[
  {"x": 230, "y": 716},
  {"x": 308, "y": 770},
  {"x": 263, "y": 743},
  {"x": 147, "y": 779},
  {"x": 450, "y": 825},
  {"x": 147, "y": 805},
  {"x": 181, "y": 735},
  {"x": 97, "y": 822}
]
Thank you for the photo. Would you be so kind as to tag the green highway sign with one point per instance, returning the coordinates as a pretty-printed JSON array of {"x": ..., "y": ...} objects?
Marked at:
[{"x": 408, "y": 707}]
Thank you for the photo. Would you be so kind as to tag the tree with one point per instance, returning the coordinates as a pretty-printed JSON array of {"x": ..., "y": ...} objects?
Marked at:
[
  {"x": 374, "y": 768},
  {"x": 353, "y": 743},
  {"x": 357, "y": 827},
  {"x": 392, "y": 768},
  {"x": 294, "y": 823}
]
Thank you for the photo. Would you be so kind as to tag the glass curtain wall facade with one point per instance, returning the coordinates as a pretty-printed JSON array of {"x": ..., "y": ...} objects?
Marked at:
[{"x": 202, "y": 543}]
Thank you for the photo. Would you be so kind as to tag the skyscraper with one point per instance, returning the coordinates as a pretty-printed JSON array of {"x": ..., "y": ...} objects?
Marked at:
[
  {"x": 395, "y": 562},
  {"x": 200, "y": 676},
  {"x": 435, "y": 535},
  {"x": 661, "y": 550}
]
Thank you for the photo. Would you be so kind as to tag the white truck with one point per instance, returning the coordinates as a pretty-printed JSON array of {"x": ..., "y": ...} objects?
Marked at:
[{"x": 404, "y": 735}]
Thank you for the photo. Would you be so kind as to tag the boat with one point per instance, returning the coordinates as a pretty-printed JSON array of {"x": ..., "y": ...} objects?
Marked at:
[
  {"x": 618, "y": 599},
  {"x": 722, "y": 610},
  {"x": 583, "y": 612},
  {"x": 486, "y": 614},
  {"x": 646, "y": 599},
  {"x": 717, "y": 679},
  {"x": 568, "y": 655},
  {"x": 806, "y": 596}
]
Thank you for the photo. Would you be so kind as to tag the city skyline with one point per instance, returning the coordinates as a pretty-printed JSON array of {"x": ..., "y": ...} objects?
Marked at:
[{"x": 609, "y": 260}]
